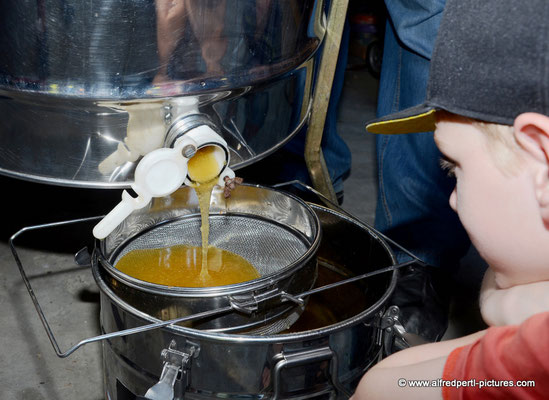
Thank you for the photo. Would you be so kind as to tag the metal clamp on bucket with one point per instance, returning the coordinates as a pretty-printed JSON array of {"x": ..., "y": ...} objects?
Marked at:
[
  {"x": 395, "y": 336},
  {"x": 176, "y": 364}
]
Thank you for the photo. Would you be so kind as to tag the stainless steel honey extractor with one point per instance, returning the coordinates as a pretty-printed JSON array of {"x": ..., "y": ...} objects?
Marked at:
[{"x": 92, "y": 86}]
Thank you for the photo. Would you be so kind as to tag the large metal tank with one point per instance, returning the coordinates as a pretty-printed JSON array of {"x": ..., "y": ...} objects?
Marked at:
[
  {"x": 88, "y": 87},
  {"x": 322, "y": 356}
]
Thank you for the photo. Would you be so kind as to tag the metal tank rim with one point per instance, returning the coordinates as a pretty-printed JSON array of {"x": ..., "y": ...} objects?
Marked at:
[{"x": 125, "y": 185}]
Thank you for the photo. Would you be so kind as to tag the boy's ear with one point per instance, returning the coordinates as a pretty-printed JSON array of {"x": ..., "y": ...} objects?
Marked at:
[{"x": 532, "y": 133}]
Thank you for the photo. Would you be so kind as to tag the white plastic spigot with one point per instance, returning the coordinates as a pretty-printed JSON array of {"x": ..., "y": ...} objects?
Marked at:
[{"x": 161, "y": 172}]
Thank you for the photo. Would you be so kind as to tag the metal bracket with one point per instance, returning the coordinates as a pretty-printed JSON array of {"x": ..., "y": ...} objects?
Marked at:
[
  {"x": 176, "y": 364},
  {"x": 173, "y": 356},
  {"x": 395, "y": 336},
  {"x": 303, "y": 358},
  {"x": 250, "y": 303}
]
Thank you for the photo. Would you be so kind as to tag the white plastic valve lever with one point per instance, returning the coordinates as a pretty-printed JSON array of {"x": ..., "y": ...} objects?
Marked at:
[
  {"x": 159, "y": 173},
  {"x": 163, "y": 171}
]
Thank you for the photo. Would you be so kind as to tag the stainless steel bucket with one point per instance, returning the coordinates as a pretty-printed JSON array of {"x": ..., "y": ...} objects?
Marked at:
[
  {"x": 77, "y": 76},
  {"x": 329, "y": 348}
]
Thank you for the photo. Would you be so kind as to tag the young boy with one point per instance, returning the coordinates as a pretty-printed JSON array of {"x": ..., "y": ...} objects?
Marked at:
[{"x": 488, "y": 102}]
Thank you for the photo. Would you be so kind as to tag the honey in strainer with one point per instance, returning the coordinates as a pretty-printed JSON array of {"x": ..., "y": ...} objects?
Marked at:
[
  {"x": 191, "y": 266},
  {"x": 181, "y": 265}
]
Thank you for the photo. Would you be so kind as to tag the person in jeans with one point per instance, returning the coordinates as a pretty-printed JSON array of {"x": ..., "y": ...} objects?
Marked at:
[{"x": 412, "y": 207}]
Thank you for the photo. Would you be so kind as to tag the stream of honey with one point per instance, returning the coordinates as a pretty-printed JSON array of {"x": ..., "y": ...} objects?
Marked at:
[{"x": 191, "y": 266}]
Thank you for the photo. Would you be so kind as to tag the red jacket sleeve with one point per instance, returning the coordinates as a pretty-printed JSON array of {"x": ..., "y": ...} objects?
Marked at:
[{"x": 509, "y": 362}]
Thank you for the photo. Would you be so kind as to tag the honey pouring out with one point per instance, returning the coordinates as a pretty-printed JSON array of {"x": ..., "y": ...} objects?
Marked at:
[{"x": 185, "y": 265}]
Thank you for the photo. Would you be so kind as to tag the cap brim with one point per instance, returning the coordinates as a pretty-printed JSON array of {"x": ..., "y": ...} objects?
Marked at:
[{"x": 414, "y": 119}]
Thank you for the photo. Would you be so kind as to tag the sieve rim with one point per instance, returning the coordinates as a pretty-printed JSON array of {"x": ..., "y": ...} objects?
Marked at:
[{"x": 266, "y": 281}]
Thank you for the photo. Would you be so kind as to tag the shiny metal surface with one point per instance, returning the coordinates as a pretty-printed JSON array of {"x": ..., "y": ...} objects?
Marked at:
[
  {"x": 71, "y": 71},
  {"x": 322, "y": 358},
  {"x": 277, "y": 232}
]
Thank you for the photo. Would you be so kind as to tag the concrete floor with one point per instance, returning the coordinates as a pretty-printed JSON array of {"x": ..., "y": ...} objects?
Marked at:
[{"x": 30, "y": 368}]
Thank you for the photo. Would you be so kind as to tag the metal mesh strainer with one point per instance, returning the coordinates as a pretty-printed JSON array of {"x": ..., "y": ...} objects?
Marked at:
[
  {"x": 276, "y": 232},
  {"x": 267, "y": 245}
]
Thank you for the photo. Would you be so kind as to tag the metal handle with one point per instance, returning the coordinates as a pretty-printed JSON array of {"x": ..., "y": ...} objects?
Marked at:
[
  {"x": 304, "y": 358},
  {"x": 27, "y": 282},
  {"x": 337, "y": 207},
  {"x": 176, "y": 362},
  {"x": 163, "y": 390},
  {"x": 394, "y": 334},
  {"x": 42, "y": 316},
  {"x": 235, "y": 305}
]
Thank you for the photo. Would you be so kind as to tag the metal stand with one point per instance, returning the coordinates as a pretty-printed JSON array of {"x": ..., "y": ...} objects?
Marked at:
[
  {"x": 314, "y": 158},
  {"x": 246, "y": 306}
]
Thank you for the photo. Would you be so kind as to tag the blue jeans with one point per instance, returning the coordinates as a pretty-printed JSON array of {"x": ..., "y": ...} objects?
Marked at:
[
  {"x": 334, "y": 149},
  {"x": 412, "y": 206}
]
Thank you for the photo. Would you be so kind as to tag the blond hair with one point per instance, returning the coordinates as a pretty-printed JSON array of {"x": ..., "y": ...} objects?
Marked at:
[{"x": 500, "y": 140}]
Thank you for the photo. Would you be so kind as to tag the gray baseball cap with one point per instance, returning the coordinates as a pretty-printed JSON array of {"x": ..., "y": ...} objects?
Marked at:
[{"x": 490, "y": 62}]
